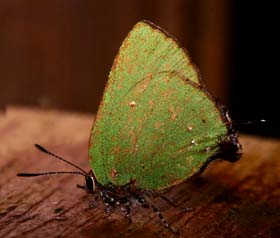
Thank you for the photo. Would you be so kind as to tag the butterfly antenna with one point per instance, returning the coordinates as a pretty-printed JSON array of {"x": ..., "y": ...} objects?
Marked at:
[
  {"x": 49, "y": 173},
  {"x": 42, "y": 149},
  {"x": 246, "y": 122}
]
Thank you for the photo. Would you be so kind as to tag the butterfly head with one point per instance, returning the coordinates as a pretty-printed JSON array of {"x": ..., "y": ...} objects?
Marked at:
[{"x": 91, "y": 184}]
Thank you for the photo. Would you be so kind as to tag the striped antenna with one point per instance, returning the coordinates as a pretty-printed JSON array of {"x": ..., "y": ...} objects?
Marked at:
[
  {"x": 44, "y": 150},
  {"x": 49, "y": 173}
]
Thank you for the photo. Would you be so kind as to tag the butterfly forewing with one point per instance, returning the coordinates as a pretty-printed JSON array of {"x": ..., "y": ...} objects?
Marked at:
[{"x": 148, "y": 50}]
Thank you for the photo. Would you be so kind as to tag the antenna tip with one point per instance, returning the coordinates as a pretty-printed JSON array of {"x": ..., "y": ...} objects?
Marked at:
[
  {"x": 41, "y": 148},
  {"x": 27, "y": 175}
]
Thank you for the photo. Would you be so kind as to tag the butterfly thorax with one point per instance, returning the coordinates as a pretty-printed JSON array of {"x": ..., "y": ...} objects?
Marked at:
[{"x": 114, "y": 195}]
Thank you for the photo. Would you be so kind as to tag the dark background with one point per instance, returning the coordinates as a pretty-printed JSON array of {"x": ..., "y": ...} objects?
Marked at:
[
  {"x": 57, "y": 54},
  {"x": 255, "y": 77}
]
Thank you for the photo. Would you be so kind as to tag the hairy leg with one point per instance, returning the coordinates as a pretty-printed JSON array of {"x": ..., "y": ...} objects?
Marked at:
[
  {"x": 147, "y": 203},
  {"x": 127, "y": 211}
]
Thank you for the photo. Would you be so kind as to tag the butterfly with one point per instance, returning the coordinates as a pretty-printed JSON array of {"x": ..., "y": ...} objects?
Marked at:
[{"x": 157, "y": 125}]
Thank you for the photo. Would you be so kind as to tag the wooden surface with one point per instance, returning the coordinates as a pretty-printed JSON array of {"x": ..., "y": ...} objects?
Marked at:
[{"x": 229, "y": 200}]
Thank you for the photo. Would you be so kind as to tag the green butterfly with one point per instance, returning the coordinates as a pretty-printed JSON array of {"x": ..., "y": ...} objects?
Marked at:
[{"x": 157, "y": 125}]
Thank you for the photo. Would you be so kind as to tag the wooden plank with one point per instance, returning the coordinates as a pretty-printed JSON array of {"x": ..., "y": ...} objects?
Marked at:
[{"x": 229, "y": 200}]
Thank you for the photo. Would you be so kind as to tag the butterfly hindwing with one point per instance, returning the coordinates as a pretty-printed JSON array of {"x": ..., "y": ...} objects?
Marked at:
[{"x": 156, "y": 133}]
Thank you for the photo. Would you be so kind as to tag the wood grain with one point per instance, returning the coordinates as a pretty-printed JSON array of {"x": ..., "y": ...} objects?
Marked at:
[
  {"x": 51, "y": 51},
  {"x": 229, "y": 200}
]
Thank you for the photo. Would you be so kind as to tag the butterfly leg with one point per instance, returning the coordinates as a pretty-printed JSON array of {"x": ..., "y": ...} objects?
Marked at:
[
  {"x": 127, "y": 211},
  {"x": 108, "y": 209},
  {"x": 146, "y": 203},
  {"x": 183, "y": 209},
  {"x": 81, "y": 186}
]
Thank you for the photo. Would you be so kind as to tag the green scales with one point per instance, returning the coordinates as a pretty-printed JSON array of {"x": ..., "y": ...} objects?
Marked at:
[{"x": 156, "y": 126}]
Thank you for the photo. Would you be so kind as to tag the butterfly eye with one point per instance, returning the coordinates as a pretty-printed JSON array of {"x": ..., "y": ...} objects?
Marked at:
[{"x": 90, "y": 184}]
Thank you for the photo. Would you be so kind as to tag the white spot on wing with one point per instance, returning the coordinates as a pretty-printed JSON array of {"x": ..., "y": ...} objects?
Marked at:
[
  {"x": 190, "y": 128},
  {"x": 132, "y": 104},
  {"x": 194, "y": 142}
]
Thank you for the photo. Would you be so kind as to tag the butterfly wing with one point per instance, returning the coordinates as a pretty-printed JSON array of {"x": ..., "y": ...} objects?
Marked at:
[
  {"x": 158, "y": 133},
  {"x": 155, "y": 123}
]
